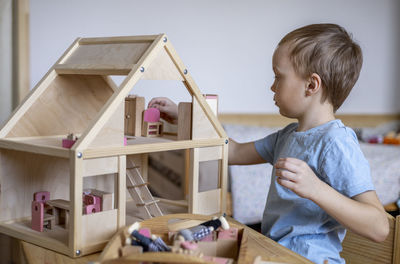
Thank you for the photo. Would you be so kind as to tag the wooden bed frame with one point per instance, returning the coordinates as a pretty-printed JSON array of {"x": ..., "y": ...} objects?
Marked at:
[{"x": 276, "y": 120}]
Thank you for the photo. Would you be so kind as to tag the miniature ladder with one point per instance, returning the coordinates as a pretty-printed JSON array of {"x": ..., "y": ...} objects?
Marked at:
[{"x": 139, "y": 192}]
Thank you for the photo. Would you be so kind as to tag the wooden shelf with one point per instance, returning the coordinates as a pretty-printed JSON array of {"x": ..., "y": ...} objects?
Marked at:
[
  {"x": 55, "y": 239},
  {"x": 149, "y": 145},
  {"x": 47, "y": 145},
  {"x": 148, "y": 140},
  {"x": 94, "y": 69}
]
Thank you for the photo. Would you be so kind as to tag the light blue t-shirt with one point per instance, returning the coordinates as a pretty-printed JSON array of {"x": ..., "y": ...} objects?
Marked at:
[{"x": 333, "y": 153}]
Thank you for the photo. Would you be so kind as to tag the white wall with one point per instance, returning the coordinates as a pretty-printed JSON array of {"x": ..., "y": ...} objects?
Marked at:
[{"x": 227, "y": 45}]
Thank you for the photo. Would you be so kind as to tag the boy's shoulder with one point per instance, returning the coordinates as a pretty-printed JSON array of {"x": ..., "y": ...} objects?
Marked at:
[
  {"x": 333, "y": 132},
  {"x": 334, "y": 129},
  {"x": 337, "y": 131},
  {"x": 338, "y": 141}
]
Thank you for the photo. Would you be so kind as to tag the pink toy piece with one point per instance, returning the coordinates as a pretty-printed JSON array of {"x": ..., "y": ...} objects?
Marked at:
[
  {"x": 145, "y": 231},
  {"x": 208, "y": 238},
  {"x": 37, "y": 216},
  {"x": 68, "y": 143},
  {"x": 230, "y": 234},
  {"x": 42, "y": 196},
  {"x": 151, "y": 115},
  {"x": 125, "y": 141},
  {"x": 92, "y": 199},
  {"x": 189, "y": 245},
  {"x": 92, "y": 208}
]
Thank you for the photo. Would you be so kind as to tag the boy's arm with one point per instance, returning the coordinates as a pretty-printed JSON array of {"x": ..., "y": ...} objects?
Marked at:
[
  {"x": 363, "y": 213},
  {"x": 243, "y": 154}
]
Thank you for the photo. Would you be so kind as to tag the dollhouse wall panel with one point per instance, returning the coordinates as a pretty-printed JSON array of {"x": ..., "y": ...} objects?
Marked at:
[
  {"x": 23, "y": 174},
  {"x": 210, "y": 153},
  {"x": 99, "y": 166},
  {"x": 98, "y": 228},
  {"x": 68, "y": 105},
  {"x": 162, "y": 68},
  {"x": 209, "y": 202},
  {"x": 201, "y": 126},
  {"x": 112, "y": 133}
]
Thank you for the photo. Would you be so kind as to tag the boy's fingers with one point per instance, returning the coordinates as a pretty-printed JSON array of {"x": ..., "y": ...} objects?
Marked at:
[
  {"x": 157, "y": 101},
  {"x": 287, "y": 165},
  {"x": 285, "y": 174},
  {"x": 285, "y": 183}
]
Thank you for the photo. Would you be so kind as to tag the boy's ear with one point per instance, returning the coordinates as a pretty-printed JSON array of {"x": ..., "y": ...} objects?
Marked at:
[{"x": 314, "y": 84}]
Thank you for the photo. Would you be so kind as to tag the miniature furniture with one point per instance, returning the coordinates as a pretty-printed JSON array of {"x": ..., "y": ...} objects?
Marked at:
[
  {"x": 60, "y": 210},
  {"x": 40, "y": 211},
  {"x": 106, "y": 198},
  {"x": 78, "y": 95},
  {"x": 152, "y": 127},
  {"x": 256, "y": 244},
  {"x": 359, "y": 250},
  {"x": 69, "y": 141}
]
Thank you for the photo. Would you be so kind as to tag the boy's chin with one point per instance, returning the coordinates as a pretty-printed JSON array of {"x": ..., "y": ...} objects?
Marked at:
[{"x": 286, "y": 114}]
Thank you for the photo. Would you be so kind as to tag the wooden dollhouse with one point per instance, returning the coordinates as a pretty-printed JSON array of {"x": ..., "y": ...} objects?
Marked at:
[{"x": 78, "y": 96}]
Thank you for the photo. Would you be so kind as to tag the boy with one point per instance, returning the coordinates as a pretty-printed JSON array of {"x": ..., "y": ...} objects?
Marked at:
[{"x": 320, "y": 182}]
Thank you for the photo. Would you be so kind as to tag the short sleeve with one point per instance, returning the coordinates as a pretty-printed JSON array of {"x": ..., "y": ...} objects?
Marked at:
[
  {"x": 265, "y": 147},
  {"x": 345, "y": 168}
]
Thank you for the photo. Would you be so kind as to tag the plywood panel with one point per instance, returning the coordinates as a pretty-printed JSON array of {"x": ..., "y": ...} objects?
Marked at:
[
  {"x": 98, "y": 227},
  {"x": 100, "y": 166},
  {"x": 68, "y": 105},
  {"x": 210, "y": 153},
  {"x": 162, "y": 68},
  {"x": 113, "y": 56},
  {"x": 22, "y": 174},
  {"x": 201, "y": 125},
  {"x": 209, "y": 202},
  {"x": 112, "y": 133}
]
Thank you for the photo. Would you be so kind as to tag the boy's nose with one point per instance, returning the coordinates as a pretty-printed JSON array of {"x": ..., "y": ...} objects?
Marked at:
[{"x": 273, "y": 88}]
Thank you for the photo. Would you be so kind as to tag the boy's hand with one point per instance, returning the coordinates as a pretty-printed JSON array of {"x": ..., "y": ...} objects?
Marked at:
[
  {"x": 168, "y": 109},
  {"x": 297, "y": 176}
]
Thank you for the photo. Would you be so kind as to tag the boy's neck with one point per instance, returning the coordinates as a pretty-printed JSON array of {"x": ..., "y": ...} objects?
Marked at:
[{"x": 315, "y": 118}]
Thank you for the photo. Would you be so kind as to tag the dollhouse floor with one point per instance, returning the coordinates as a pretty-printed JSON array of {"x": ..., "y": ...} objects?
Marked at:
[{"x": 133, "y": 214}]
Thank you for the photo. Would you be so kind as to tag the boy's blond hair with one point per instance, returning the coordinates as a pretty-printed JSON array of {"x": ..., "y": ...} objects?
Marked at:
[{"x": 329, "y": 51}]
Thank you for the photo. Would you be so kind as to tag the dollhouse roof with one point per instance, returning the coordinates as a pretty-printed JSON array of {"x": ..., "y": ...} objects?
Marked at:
[{"x": 78, "y": 95}]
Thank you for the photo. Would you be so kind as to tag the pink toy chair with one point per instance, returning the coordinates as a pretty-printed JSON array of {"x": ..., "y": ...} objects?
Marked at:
[
  {"x": 39, "y": 208},
  {"x": 152, "y": 127}
]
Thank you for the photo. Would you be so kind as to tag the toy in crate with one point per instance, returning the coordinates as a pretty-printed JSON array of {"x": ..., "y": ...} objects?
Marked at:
[{"x": 185, "y": 241}]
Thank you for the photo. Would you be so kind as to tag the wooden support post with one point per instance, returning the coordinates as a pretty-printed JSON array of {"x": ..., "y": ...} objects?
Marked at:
[
  {"x": 120, "y": 193},
  {"x": 224, "y": 177},
  {"x": 21, "y": 77},
  {"x": 76, "y": 189},
  {"x": 193, "y": 181},
  {"x": 184, "y": 121}
]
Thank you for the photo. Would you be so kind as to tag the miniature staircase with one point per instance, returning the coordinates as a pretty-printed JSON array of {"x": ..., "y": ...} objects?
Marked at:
[{"x": 139, "y": 192}]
